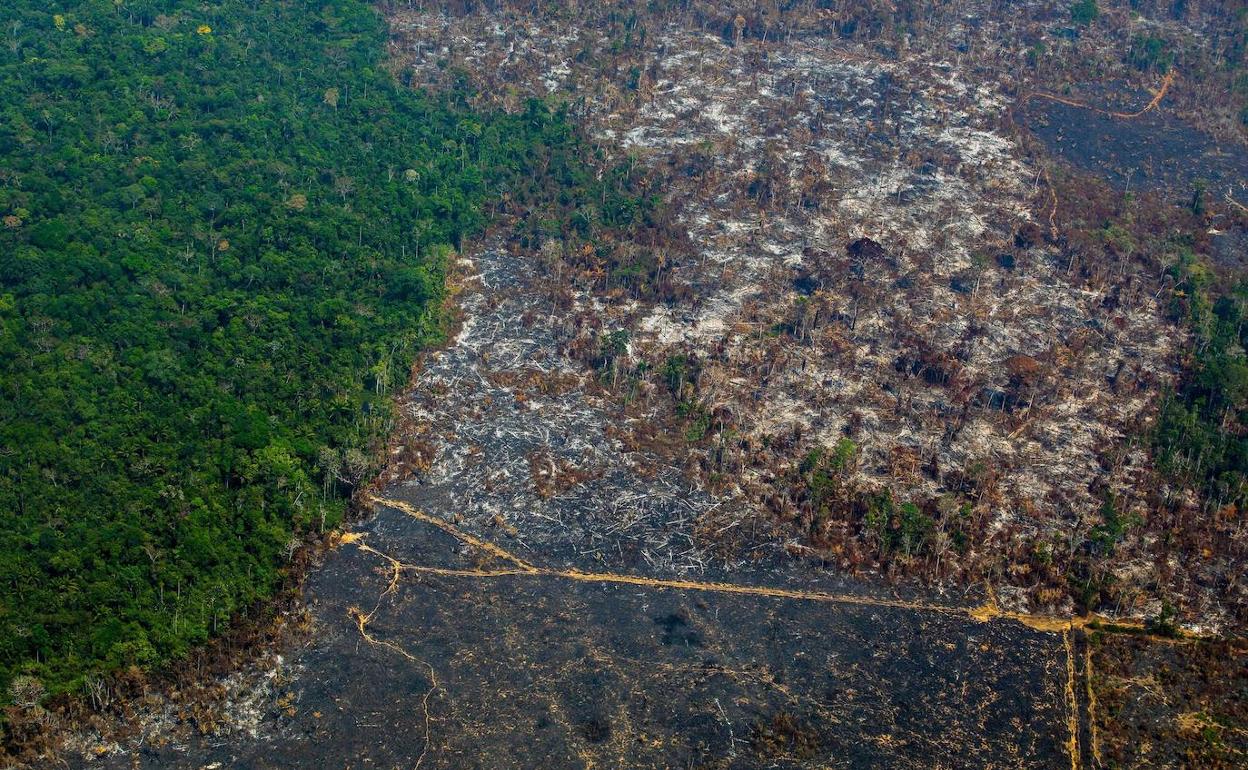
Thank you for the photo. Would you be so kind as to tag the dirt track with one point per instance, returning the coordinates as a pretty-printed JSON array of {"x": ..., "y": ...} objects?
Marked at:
[
  {"x": 524, "y": 671},
  {"x": 442, "y": 640}
]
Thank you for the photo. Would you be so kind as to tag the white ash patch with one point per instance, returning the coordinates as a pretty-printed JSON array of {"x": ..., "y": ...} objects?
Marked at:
[{"x": 807, "y": 147}]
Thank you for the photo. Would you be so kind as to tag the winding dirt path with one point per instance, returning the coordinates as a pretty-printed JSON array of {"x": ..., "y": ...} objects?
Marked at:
[{"x": 1158, "y": 95}]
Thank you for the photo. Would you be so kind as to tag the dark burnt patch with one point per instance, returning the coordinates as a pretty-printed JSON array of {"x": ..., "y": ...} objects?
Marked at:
[
  {"x": 676, "y": 630},
  {"x": 1157, "y": 151}
]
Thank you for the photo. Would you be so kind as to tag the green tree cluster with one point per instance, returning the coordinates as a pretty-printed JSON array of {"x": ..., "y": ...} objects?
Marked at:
[
  {"x": 1200, "y": 438},
  {"x": 223, "y": 228},
  {"x": 1084, "y": 12}
]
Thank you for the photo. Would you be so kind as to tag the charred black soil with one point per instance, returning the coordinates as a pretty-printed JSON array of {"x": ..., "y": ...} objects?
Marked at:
[
  {"x": 1167, "y": 705},
  {"x": 1156, "y": 151},
  {"x": 517, "y": 670}
]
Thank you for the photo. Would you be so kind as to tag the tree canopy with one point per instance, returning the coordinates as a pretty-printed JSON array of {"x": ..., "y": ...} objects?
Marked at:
[{"x": 223, "y": 228}]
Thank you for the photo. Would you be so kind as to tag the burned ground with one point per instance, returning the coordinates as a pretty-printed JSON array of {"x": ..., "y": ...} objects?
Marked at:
[
  {"x": 1157, "y": 151},
  {"x": 460, "y": 670},
  {"x": 991, "y": 379},
  {"x": 1167, "y": 705}
]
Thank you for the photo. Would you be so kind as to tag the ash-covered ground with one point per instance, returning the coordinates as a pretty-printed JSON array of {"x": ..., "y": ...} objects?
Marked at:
[
  {"x": 539, "y": 672},
  {"x": 428, "y": 649},
  {"x": 1155, "y": 151},
  {"x": 872, "y": 257}
]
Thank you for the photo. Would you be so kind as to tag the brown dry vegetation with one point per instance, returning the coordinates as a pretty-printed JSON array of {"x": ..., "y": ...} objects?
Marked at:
[{"x": 861, "y": 249}]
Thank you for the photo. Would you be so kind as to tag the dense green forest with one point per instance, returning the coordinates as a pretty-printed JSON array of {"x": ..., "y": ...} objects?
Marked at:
[
  {"x": 1200, "y": 439},
  {"x": 223, "y": 233}
]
